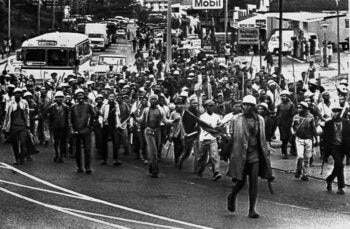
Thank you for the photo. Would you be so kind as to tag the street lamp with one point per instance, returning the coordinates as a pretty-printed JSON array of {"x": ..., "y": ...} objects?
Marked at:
[{"x": 324, "y": 29}]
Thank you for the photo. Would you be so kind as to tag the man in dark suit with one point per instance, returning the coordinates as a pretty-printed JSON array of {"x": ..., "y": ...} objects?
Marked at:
[{"x": 337, "y": 142}]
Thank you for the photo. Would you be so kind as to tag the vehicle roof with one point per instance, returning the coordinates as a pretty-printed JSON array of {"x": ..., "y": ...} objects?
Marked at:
[
  {"x": 111, "y": 55},
  {"x": 68, "y": 40}
]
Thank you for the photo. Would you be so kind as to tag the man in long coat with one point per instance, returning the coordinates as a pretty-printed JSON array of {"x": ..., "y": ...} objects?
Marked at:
[{"x": 250, "y": 154}]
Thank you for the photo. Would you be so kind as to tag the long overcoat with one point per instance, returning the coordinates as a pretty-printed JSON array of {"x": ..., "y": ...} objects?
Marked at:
[{"x": 240, "y": 145}]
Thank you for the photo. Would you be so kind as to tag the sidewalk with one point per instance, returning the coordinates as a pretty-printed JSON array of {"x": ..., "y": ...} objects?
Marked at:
[{"x": 289, "y": 165}]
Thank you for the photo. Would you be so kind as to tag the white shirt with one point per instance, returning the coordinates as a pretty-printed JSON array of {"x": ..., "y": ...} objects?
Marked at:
[{"x": 213, "y": 120}]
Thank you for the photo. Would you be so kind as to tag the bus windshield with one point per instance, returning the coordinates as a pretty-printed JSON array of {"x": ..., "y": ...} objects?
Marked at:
[
  {"x": 35, "y": 55},
  {"x": 57, "y": 57}
]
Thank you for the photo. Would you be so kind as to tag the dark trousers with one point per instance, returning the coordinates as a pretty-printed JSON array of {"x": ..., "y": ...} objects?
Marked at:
[
  {"x": 178, "y": 148},
  {"x": 60, "y": 141},
  {"x": 19, "y": 144},
  {"x": 139, "y": 144},
  {"x": 338, "y": 170},
  {"x": 84, "y": 139},
  {"x": 252, "y": 170},
  {"x": 123, "y": 138},
  {"x": 98, "y": 139},
  {"x": 109, "y": 132}
]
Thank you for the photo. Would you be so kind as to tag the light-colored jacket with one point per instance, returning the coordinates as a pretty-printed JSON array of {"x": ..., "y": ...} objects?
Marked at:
[
  {"x": 240, "y": 145},
  {"x": 105, "y": 112},
  {"x": 12, "y": 106}
]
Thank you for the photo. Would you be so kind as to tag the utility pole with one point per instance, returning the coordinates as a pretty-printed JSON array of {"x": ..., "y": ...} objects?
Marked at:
[
  {"x": 226, "y": 20},
  {"x": 338, "y": 52},
  {"x": 280, "y": 36},
  {"x": 39, "y": 8},
  {"x": 168, "y": 37},
  {"x": 9, "y": 20},
  {"x": 53, "y": 14}
]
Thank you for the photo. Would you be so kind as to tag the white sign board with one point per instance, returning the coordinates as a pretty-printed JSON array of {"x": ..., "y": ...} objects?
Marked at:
[{"x": 207, "y": 4}]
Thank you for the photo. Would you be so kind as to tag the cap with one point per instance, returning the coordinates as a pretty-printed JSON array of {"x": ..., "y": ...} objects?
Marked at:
[
  {"x": 209, "y": 102},
  {"x": 264, "y": 105},
  {"x": 108, "y": 87},
  {"x": 313, "y": 82},
  {"x": 78, "y": 91},
  {"x": 249, "y": 99},
  {"x": 154, "y": 96},
  {"x": 11, "y": 85},
  {"x": 99, "y": 96},
  {"x": 285, "y": 92},
  {"x": 304, "y": 104},
  {"x": 184, "y": 94},
  {"x": 27, "y": 94},
  {"x": 121, "y": 81},
  {"x": 60, "y": 94},
  {"x": 176, "y": 72},
  {"x": 17, "y": 90},
  {"x": 271, "y": 82},
  {"x": 90, "y": 82}
]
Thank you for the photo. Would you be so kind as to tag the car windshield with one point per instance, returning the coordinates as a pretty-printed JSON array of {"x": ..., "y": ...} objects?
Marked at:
[
  {"x": 95, "y": 35},
  {"x": 111, "y": 60}
]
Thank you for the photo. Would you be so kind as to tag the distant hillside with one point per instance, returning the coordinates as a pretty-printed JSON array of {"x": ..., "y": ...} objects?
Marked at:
[{"x": 23, "y": 19}]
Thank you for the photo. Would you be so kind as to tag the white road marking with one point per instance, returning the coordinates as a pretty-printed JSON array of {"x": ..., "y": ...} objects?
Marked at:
[
  {"x": 88, "y": 198},
  {"x": 122, "y": 219},
  {"x": 41, "y": 189},
  {"x": 62, "y": 210},
  {"x": 287, "y": 205}
]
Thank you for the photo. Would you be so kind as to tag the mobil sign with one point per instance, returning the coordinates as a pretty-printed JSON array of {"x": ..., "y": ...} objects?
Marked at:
[{"x": 207, "y": 4}]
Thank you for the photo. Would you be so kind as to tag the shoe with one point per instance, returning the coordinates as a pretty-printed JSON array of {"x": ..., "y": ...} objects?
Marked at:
[
  {"x": 285, "y": 156},
  {"x": 304, "y": 178},
  {"x": 253, "y": 215},
  {"x": 145, "y": 162},
  {"x": 29, "y": 158},
  {"x": 231, "y": 203},
  {"x": 15, "y": 163},
  {"x": 329, "y": 186},
  {"x": 340, "y": 191},
  {"x": 60, "y": 160},
  {"x": 80, "y": 171},
  {"x": 117, "y": 163},
  {"x": 297, "y": 174},
  {"x": 179, "y": 166},
  {"x": 55, "y": 159},
  {"x": 104, "y": 163},
  {"x": 88, "y": 172},
  {"x": 216, "y": 176}
]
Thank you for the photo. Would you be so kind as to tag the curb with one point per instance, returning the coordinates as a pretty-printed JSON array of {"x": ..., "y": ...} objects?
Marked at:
[{"x": 313, "y": 177}]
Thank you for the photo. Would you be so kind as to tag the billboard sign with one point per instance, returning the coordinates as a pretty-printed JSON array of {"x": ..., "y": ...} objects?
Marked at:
[
  {"x": 248, "y": 36},
  {"x": 207, "y": 4}
]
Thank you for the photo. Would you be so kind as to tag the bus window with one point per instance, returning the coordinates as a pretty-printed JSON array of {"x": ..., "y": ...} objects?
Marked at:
[
  {"x": 86, "y": 48},
  {"x": 56, "y": 57},
  {"x": 35, "y": 55},
  {"x": 72, "y": 55}
]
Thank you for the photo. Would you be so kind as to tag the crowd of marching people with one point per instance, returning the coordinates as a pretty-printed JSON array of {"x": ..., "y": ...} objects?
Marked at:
[{"x": 195, "y": 104}]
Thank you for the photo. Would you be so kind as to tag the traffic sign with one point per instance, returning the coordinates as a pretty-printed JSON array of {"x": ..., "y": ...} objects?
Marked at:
[{"x": 207, "y": 4}]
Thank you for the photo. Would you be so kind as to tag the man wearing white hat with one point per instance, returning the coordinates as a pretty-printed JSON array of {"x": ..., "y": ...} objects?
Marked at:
[
  {"x": 81, "y": 113},
  {"x": 249, "y": 156},
  {"x": 16, "y": 124},
  {"x": 59, "y": 122}
]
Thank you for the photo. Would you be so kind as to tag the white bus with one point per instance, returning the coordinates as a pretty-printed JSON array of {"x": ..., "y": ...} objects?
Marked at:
[{"x": 63, "y": 53}]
